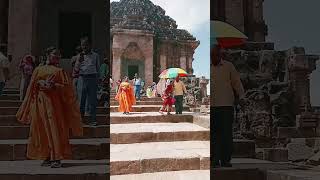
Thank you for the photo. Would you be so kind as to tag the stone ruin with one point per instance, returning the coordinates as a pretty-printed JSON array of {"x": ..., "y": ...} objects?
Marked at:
[
  {"x": 276, "y": 108},
  {"x": 197, "y": 96}
]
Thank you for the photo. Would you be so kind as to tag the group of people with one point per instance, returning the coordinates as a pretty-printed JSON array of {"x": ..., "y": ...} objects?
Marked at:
[
  {"x": 171, "y": 93},
  {"x": 48, "y": 92}
]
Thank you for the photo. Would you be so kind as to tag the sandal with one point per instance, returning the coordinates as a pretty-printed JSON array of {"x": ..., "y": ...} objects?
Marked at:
[
  {"x": 56, "y": 164},
  {"x": 46, "y": 163}
]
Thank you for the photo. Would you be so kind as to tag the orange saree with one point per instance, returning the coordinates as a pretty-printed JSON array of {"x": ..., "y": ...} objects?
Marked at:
[
  {"x": 125, "y": 96},
  {"x": 52, "y": 113}
]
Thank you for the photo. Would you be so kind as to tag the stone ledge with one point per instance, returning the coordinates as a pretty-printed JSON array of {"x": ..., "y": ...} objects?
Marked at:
[
  {"x": 11, "y": 120},
  {"x": 170, "y": 175},
  {"x": 159, "y": 157},
  {"x": 22, "y": 132},
  {"x": 148, "y": 117},
  {"x": 93, "y": 149},
  {"x": 157, "y": 132}
]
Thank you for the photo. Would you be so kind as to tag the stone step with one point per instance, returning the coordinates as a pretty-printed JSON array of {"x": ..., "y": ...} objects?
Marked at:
[
  {"x": 243, "y": 148},
  {"x": 100, "y": 110},
  {"x": 72, "y": 170},
  {"x": 142, "y": 98},
  {"x": 11, "y": 91},
  {"x": 10, "y": 97},
  {"x": 14, "y": 110},
  {"x": 17, "y": 103},
  {"x": 237, "y": 174},
  {"x": 115, "y": 103},
  {"x": 22, "y": 132},
  {"x": 11, "y": 120},
  {"x": 294, "y": 174},
  {"x": 171, "y": 175},
  {"x": 144, "y": 108},
  {"x": 157, "y": 132},
  {"x": 82, "y": 149},
  {"x": 148, "y": 117},
  {"x": 10, "y": 103},
  {"x": 159, "y": 157}
]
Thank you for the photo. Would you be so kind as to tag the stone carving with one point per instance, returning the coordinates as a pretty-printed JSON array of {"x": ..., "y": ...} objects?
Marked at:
[
  {"x": 194, "y": 96},
  {"x": 277, "y": 89}
]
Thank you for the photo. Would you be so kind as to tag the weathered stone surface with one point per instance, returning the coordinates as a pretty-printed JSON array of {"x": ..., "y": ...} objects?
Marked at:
[
  {"x": 276, "y": 154},
  {"x": 314, "y": 160},
  {"x": 299, "y": 151},
  {"x": 148, "y": 117},
  {"x": 81, "y": 148}
]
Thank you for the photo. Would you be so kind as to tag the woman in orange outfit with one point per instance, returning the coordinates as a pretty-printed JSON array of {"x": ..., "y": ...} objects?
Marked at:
[
  {"x": 48, "y": 96},
  {"x": 125, "y": 96}
]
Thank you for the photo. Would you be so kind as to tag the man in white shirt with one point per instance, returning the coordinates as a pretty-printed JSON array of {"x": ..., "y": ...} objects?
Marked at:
[{"x": 4, "y": 71}]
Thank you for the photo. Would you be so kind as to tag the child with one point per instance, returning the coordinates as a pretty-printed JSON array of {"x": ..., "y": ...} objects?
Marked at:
[
  {"x": 167, "y": 98},
  {"x": 26, "y": 67},
  {"x": 149, "y": 92}
]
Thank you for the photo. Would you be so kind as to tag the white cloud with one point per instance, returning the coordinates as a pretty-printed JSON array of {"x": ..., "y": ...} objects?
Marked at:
[{"x": 189, "y": 14}]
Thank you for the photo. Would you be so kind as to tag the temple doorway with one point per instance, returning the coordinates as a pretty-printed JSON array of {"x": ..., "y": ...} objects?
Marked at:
[
  {"x": 132, "y": 70},
  {"x": 73, "y": 26}
]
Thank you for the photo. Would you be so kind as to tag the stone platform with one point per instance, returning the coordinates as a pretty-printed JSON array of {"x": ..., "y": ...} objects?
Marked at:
[{"x": 72, "y": 170}]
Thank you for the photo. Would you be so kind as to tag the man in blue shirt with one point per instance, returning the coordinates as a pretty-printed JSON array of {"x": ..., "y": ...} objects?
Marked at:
[
  {"x": 137, "y": 86},
  {"x": 88, "y": 65}
]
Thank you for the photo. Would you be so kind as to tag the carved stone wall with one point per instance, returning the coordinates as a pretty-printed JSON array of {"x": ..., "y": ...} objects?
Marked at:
[{"x": 277, "y": 88}]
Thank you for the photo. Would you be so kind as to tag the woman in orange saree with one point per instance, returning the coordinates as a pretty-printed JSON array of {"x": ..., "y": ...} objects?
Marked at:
[
  {"x": 125, "y": 96},
  {"x": 48, "y": 96}
]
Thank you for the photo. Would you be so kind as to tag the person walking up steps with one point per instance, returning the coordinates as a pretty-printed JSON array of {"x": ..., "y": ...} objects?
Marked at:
[
  {"x": 168, "y": 99},
  {"x": 137, "y": 86},
  {"x": 226, "y": 81},
  {"x": 179, "y": 91}
]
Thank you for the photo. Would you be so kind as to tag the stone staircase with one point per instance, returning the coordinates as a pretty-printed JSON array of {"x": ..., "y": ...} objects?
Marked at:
[
  {"x": 148, "y": 145},
  {"x": 90, "y": 152}
]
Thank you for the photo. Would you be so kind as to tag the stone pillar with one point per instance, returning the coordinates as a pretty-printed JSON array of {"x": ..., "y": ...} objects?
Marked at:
[
  {"x": 21, "y": 31},
  {"x": 148, "y": 52},
  {"x": 234, "y": 13},
  {"x": 190, "y": 59},
  {"x": 116, "y": 64},
  {"x": 183, "y": 60},
  {"x": 163, "y": 62},
  {"x": 300, "y": 67}
]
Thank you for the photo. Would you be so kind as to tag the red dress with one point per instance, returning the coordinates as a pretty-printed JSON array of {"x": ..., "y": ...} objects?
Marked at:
[{"x": 167, "y": 98}]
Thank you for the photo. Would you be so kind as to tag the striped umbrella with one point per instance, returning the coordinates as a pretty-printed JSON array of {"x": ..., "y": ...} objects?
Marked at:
[
  {"x": 225, "y": 35},
  {"x": 173, "y": 73}
]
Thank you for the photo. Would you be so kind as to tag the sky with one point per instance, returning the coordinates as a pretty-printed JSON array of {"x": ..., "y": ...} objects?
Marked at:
[
  {"x": 194, "y": 16},
  {"x": 296, "y": 23}
]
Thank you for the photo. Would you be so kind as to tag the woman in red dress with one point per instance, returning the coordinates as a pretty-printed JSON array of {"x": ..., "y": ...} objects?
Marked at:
[{"x": 168, "y": 99}]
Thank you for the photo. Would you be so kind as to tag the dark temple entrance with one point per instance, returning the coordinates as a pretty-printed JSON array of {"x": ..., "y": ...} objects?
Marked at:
[
  {"x": 73, "y": 26},
  {"x": 132, "y": 70}
]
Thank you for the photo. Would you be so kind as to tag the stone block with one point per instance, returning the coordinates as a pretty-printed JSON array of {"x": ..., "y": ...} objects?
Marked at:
[
  {"x": 288, "y": 132},
  {"x": 243, "y": 149},
  {"x": 6, "y": 152},
  {"x": 165, "y": 136},
  {"x": 276, "y": 154},
  {"x": 299, "y": 151},
  {"x": 20, "y": 151},
  {"x": 159, "y": 165},
  {"x": 205, "y": 163},
  {"x": 125, "y": 167}
]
